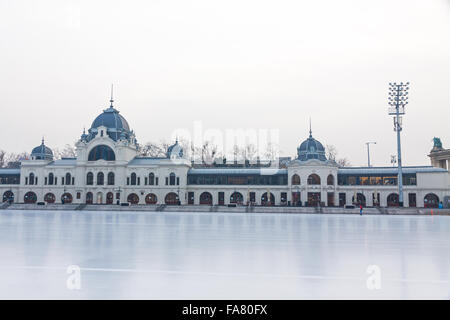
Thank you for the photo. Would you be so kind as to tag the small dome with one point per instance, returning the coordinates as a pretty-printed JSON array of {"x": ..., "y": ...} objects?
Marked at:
[
  {"x": 42, "y": 152},
  {"x": 311, "y": 149},
  {"x": 175, "y": 151}
]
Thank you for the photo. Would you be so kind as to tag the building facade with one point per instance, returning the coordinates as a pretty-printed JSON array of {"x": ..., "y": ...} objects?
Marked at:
[{"x": 109, "y": 170}]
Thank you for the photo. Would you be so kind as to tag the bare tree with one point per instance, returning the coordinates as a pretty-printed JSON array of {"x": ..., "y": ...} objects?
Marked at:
[
  {"x": 331, "y": 153},
  {"x": 69, "y": 151},
  {"x": 2, "y": 158}
]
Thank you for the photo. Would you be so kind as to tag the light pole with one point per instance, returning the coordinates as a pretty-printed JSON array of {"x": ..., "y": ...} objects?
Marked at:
[
  {"x": 398, "y": 99},
  {"x": 368, "y": 151}
]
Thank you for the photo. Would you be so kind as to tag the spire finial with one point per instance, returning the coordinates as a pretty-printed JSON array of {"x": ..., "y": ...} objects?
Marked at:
[
  {"x": 112, "y": 100},
  {"x": 42, "y": 140},
  {"x": 310, "y": 130}
]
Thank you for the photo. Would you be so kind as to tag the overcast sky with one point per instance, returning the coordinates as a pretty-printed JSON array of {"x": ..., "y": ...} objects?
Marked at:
[{"x": 230, "y": 64}]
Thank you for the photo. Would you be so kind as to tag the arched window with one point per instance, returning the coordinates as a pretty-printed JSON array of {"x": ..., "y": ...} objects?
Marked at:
[
  {"x": 151, "y": 198},
  {"x": 30, "y": 197},
  {"x": 90, "y": 179},
  {"x": 431, "y": 201},
  {"x": 236, "y": 197},
  {"x": 313, "y": 179},
  {"x": 206, "y": 198},
  {"x": 133, "y": 179},
  {"x": 49, "y": 198},
  {"x": 265, "y": 201},
  {"x": 330, "y": 180},
  {"x": 172, "y": 179},
  {"x": 8, "y": 196},
  {"x": 66, "y": 198},
  {"x": 133, "y": 198},
  {"x": 109, "y": 196},
  {"x": 171, "y": 198},
  {"x": 100, "y": 179},
  {"x": 151, "y": 179},
  {"x": 31, "y": 178},
  {"x": 111, "y": 179},
  {"x": 51, "y": 178},
  {"x": 101, "y": 152},
  {"x": 89, "y": 198},
  {"x": 295, "y": 180},
  {"x": 68, "y": 178},
  {"x": 392, "y": 200}
]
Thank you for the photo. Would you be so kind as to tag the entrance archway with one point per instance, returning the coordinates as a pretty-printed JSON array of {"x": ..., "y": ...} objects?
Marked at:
[
  {"x": 392, "y": 200},
  {"x": 109, "y": 197},
  {"x": 360, "y": 199},
  {"x": 206, "y": 198},
  {"x": 89, "y": 198},
  {"x": 151, "y": 198},
  {"x": 431, "y": 201},
  {"x": 133, "y": 198},
  {"x": 265, "y": 200},
  {"x": 49, "y": 198},
  {"x": 30, "y": 197},
  {"x": 171, "y": 198},
  {"x": 99, "y": 198},
  {"x": 313, "y": 199},
  {"x": 66, "y": 198},
  {"x": 236, "y": 197},
  {"x": 8, "y": 196}
]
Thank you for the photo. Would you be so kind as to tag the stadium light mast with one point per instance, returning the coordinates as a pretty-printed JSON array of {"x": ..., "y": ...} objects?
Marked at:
[{"x": 398, "y": 99}]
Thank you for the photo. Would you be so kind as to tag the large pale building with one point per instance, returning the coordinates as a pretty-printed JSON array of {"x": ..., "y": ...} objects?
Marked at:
[{"x": 109, "y": 170}]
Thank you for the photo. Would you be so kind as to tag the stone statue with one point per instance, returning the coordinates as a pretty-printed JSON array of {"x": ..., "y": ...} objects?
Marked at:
[{"x": 437, "y": 143}]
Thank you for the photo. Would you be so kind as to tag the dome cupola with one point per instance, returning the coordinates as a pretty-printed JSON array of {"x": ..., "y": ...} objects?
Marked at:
[
  {"x": 42, "y": 152},
  {"x": 311, "y": 149},
  {"x": 175, "y": 151},
  {"x": 117, "y": 126}
]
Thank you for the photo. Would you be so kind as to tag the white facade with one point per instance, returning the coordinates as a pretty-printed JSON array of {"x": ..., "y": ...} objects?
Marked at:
[{"x": 110, "y": 150}]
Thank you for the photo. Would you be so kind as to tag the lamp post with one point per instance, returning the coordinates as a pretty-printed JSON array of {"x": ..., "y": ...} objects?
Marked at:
[
  {"x": 368, "y": 151},
  {"x": 398, "y": 99}
]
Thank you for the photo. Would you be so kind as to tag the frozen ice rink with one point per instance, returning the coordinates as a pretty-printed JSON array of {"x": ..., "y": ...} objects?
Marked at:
[{"x": 222, "y": 256}]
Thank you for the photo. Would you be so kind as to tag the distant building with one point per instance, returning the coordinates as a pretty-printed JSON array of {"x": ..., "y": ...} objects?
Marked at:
[{"x": 108, "y": 170}]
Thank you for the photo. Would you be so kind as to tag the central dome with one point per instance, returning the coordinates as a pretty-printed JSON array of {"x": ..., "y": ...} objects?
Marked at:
[
  {"x": 111, "y": 118},
  {"x": 311, "y": 149},
  {"x": 117, "y": 126}
]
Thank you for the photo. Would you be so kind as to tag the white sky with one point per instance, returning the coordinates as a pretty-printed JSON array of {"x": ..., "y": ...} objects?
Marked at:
[{"x": 230, "y": 64}]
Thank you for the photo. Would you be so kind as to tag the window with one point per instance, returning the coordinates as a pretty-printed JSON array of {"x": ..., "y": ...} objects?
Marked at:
[
  {"x": 78, "y": 195},
  {"x": 313, "y": 179},
  {"x": 73, "y": 180},
  {"x": 31, "y": 179},
  {"x": 101, "y": 152},
  {"x": 68, "y": 178},
  {"x": 26, "y": 180},
  {"x": 139, "y": 181},
  {"x": 133, "y": 179},
  {"x": 156, "y": 180},
  {"x": 50, "y": 178},
  {"x": 295, "y": 179},
  {"x": 111, "y": 179},
  {"x": 62, "y": 180},
  {"x": 45, "y": 180},
  {"x": 167, "y": 181},
  {"x": 330, "y": 180},
  {"x": 178, "y": 181},
  {"x": 151, "y": 179},
  {"x": 128, "y": 181},
  {"x": 172, "y": 179},
  {"x": 100, "y": 179},
  {"x": 89, "y": 179}
]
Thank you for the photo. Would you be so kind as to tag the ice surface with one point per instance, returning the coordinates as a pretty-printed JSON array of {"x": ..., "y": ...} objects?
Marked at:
[{"x": 222, "y": 255}]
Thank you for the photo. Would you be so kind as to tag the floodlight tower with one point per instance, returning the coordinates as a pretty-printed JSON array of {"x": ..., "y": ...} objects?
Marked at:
[{"x": 398, "y": 99}]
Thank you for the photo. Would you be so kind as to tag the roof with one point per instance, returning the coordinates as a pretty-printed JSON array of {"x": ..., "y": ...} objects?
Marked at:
[
  {"x": 146, "y": 161},
  {"x": 388, "y": 170},
  {"x": 64, "y": 162},
  {"x": 8, "y": 171},
  {"x": 239, "y": 171}
]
